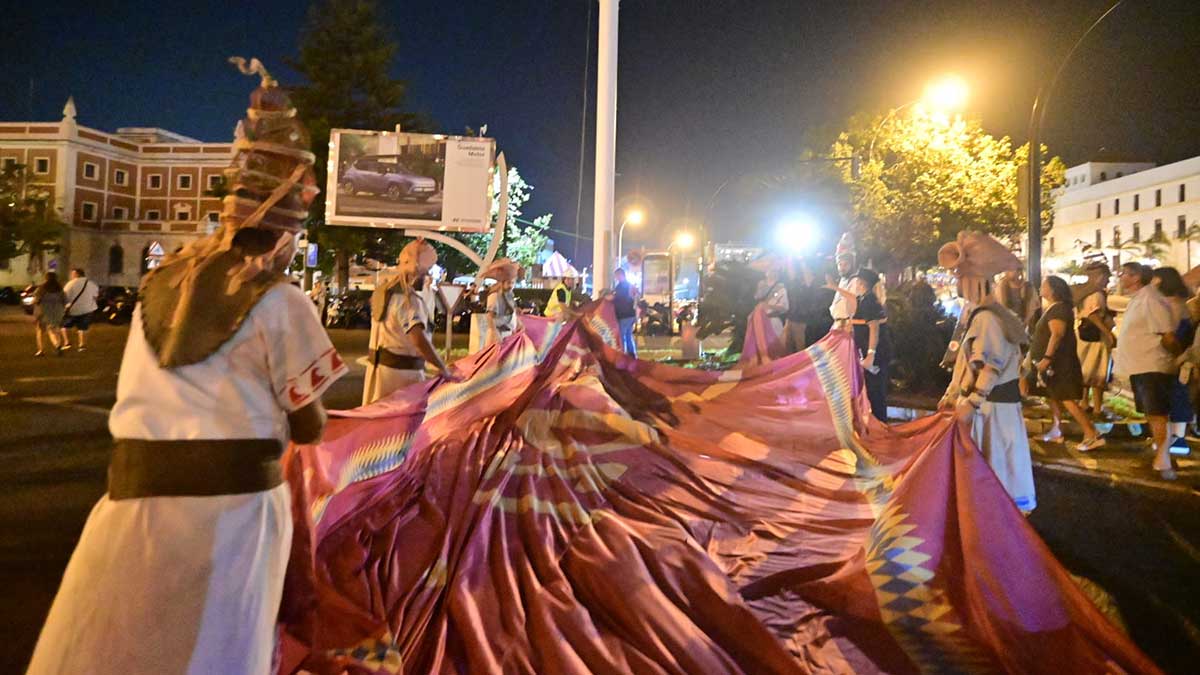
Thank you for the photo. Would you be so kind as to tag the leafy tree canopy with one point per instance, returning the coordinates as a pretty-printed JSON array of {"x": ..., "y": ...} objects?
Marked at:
[
  {"x": 28, "y": 223},
  {"x": 924, "y": 178}
]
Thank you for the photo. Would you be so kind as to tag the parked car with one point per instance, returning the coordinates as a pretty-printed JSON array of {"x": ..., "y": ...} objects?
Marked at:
[
  {"x": 10, "y": 296},
  {"x": 386, "y": 175}
]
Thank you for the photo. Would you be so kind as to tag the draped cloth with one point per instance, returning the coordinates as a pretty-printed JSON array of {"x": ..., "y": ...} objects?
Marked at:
[{"x": 570, "y": 509}]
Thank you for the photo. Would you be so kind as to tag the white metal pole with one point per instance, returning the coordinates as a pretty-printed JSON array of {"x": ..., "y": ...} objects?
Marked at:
[{"x": 606, "y": 145}]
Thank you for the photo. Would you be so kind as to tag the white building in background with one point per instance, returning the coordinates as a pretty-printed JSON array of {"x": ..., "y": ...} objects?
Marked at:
[{"x": 1105, "y": 204}]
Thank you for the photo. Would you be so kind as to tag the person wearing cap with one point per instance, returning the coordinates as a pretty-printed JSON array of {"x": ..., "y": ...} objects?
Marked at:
[
  {"x": 1095, "y": 332},
  {"x": 559, "y": 306},
  {"x": 984, "y": 392},
  {"x": 844, "y": 258},
  {"x": 180, "y": 566},
  {"x": 872, "y": 338},
  {"x": 502, "y": 315},
  {"x": 401, "y": 339}
]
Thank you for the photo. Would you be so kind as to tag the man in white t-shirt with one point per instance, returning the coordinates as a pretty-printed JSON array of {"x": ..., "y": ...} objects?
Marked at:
[
  {"x": 81, "y": 295},
  {"x": 1142, "y": 357}
]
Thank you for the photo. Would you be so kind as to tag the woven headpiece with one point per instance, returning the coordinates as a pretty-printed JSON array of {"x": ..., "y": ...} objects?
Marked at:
[
  {"x": 975, "y": 254},
  {"x": 503, "y": 269},
  {"x": 845, "y": 247}
]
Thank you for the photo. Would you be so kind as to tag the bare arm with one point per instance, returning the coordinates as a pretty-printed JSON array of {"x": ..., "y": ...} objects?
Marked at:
[
  {"x": 308, "y": 423},
  {"x": 421, "y": 341},
  {"x": 1058, "y": 328}
]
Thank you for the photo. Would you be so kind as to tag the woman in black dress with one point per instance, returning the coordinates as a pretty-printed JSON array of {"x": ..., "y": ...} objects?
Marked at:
[
  {"x": 1056, "y": 368},
  {"x": 872, "y": 339}
]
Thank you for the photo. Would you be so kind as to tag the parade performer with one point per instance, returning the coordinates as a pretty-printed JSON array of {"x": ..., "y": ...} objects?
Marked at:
[
  {"x": 984, "y": 392},
  {"x": 503, "y": 319},
  {"x": 180, "y": 566},
  {"x": 844, "y": 257},
  {"x": 872, "y": 338},
  {"x": 559, "y": 305},
  {"x": 401, "y": 326},
  {"x": 765, "y": 340}
]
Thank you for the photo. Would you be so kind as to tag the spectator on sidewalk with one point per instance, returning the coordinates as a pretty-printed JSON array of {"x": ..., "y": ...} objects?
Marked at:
[
  {"x": 1056, "y": 370},
  {"x": 81, "y": 293},
  {"x": 49, "y": 305},
  {"x": 1169, "y": 282},
  {"x": 1142, "y": 356},
  {"x": 625, "y": 306},
  {"x": 872, "y": 338},
  {"x": 1096, "y": 339},
  {"x": 1017, "y": 294}
]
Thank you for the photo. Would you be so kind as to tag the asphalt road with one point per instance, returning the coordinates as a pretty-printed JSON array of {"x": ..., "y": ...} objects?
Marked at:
[
  {"x": 1139, "y": 543},
  {"x": 363, "y": 204}
]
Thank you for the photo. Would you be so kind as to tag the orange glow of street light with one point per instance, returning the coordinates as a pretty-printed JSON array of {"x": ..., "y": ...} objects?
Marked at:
[
  {"x": 685, "y": 240},
  {"x": 635, "y": 216},
  {"x": 947, "y": 93}
]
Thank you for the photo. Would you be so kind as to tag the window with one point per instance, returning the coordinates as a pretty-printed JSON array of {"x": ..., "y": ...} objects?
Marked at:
[
  {"x": 153, "y": 214},
  {"x": 1137, "y": 232},
  {"x": 182, "y": 214},
  {"x": 1052, "y": 244},
  {"x": 1181, "y": 226},
  {"x": 154, "y": 181},
  {"x": 9, "y": 163},
  {"x": 5, "y": 265},
  {"x": 1158, "y": 228},
  {"x": 1158, "y": 197},
  {"x": 1103, "y": 175},
  {"x": 1116, "y": 206},
  {"x": 41, "y": 165},
  {"x": 184, "y": 181},
  {"x": 1136, "y": 202},
  {"x": 90, "y": 170},
  {"x": 120, "y": 213},
  {"x": 116, "y": 260},
  {"x": 1099, "y": 239},
  {"x": 213, "y": 181},
  {"x": 89, "y": 210},
  {"x": 1097, "y": 209},
  {"x": 214, "y": 216},
  {"x": 1182, "y": 192},
  {"x": 121, "y": 177},
  {"x": 1116, "y": 236}
]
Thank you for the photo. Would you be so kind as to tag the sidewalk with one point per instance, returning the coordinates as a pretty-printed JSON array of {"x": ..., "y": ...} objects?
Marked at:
[{"x": 1124, "y": 461}]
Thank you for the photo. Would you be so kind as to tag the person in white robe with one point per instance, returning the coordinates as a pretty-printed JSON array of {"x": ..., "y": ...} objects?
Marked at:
[
  {"x": 503, "y": 318},
  {"x": 180, "y": 565},
  {"x": 842, "y": 307},
  {"x": 401, "y": 341},
  {"x": 984, "y": 392}
]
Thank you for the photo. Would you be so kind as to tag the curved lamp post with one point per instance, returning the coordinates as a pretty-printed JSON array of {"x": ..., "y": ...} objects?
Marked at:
[{"x": 1036, "y": 116}]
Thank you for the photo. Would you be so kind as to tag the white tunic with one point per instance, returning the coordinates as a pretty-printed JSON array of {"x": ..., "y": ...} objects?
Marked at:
[
  {"x": 192, "y": 584},
  {"x": 998, "y": 428},
  {"x": 406, "y": 309}
]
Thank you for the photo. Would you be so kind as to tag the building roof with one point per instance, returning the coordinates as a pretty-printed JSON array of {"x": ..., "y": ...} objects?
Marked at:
[{"x": 150, "y": 135}]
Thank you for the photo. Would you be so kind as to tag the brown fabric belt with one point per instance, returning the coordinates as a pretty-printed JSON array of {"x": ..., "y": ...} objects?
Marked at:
[
  {"x": 200, "y": 468},
  {"x": 389, "y": 359}
]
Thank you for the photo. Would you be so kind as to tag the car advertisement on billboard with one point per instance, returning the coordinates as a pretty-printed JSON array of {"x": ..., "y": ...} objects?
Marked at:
[{"x": 409, "y": 181}]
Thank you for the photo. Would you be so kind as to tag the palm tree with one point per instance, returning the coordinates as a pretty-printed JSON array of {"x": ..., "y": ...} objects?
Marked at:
[{"x": 1192, "y": 233}]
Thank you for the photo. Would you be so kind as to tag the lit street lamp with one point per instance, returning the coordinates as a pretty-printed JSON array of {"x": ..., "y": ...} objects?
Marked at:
[
  {"x": 632, "y": 217},
  {"x": 943, "y": 94}
]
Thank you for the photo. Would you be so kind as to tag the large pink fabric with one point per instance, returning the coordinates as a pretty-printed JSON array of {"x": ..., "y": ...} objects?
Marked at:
[{"x": 570, "y": 509}]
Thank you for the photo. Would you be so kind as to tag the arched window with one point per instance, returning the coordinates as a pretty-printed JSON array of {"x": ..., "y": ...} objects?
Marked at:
[
  {"x": 116, "y": 260},
  {"x": 152, "y": 255}
]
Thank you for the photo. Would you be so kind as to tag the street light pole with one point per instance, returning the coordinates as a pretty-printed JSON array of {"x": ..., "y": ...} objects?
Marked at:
[
  {"x": 606, "y": 144},
  {"x": 621, "y": 238},
  {"x": 1036, "y": 117}
]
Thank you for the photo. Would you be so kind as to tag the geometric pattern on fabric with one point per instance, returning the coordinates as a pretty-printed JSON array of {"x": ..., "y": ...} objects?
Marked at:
[
  {"x": 367, "y": 461},
  {"x": 916, "y": 613},
  {"x": 377, "y": 655}
]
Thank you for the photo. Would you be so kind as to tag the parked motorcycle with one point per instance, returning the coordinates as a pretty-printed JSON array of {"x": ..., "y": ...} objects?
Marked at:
[
  {"x": 115, "y": 304},
  {"x": 351, "y": 309}
]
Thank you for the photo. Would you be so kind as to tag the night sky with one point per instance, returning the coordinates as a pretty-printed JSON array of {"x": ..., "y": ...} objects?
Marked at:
[{"x": 709, "y": 89}]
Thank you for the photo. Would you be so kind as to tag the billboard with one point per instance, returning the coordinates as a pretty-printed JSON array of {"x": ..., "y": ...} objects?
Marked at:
[
  {"x": 409, "y": 181},
  {"x": 656, "y": 276}
]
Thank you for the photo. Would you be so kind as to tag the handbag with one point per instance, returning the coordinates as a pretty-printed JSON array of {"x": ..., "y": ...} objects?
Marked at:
[{"x": 1088, "y": 331}]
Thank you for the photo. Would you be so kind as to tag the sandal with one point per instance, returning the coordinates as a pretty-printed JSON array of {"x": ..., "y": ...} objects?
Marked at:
[
  {"x": 39, "y": 353},
  {"x": 1167, "y": 473},
  {"x": 1052, "y": 436},
  {"x": 1090, "y": 444}
]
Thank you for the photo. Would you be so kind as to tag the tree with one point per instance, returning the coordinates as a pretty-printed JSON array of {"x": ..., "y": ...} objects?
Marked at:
[
  {"x": 28, "y": 224},
  {"x": 924, "y": 178},
  {"x": 346, "y": 56},
  {"x": 523, "y": 239}
]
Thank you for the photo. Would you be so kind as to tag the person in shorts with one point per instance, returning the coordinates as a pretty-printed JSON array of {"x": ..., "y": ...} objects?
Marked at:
[
  {"x": 1142, "y": 356},
  {"x": 81, "y": 294}
]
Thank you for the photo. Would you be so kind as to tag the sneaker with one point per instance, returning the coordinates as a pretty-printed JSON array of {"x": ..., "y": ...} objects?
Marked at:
[
  {"x": 66, "y": 347},
  {"x": 39, "y": 353},
  {"x": 1180, "y": 447},
  {"x": 1051, "y": 436},
  {"x": 83, "y": 349},
  {"x": 1091, "y": 444},
  {"x": 1135, "y": 429}
]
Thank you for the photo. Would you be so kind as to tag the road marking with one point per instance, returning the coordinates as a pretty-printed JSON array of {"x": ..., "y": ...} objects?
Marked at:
[
  {"x": 66, "y": 402},
  {"x": 57, "y": 378}
]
